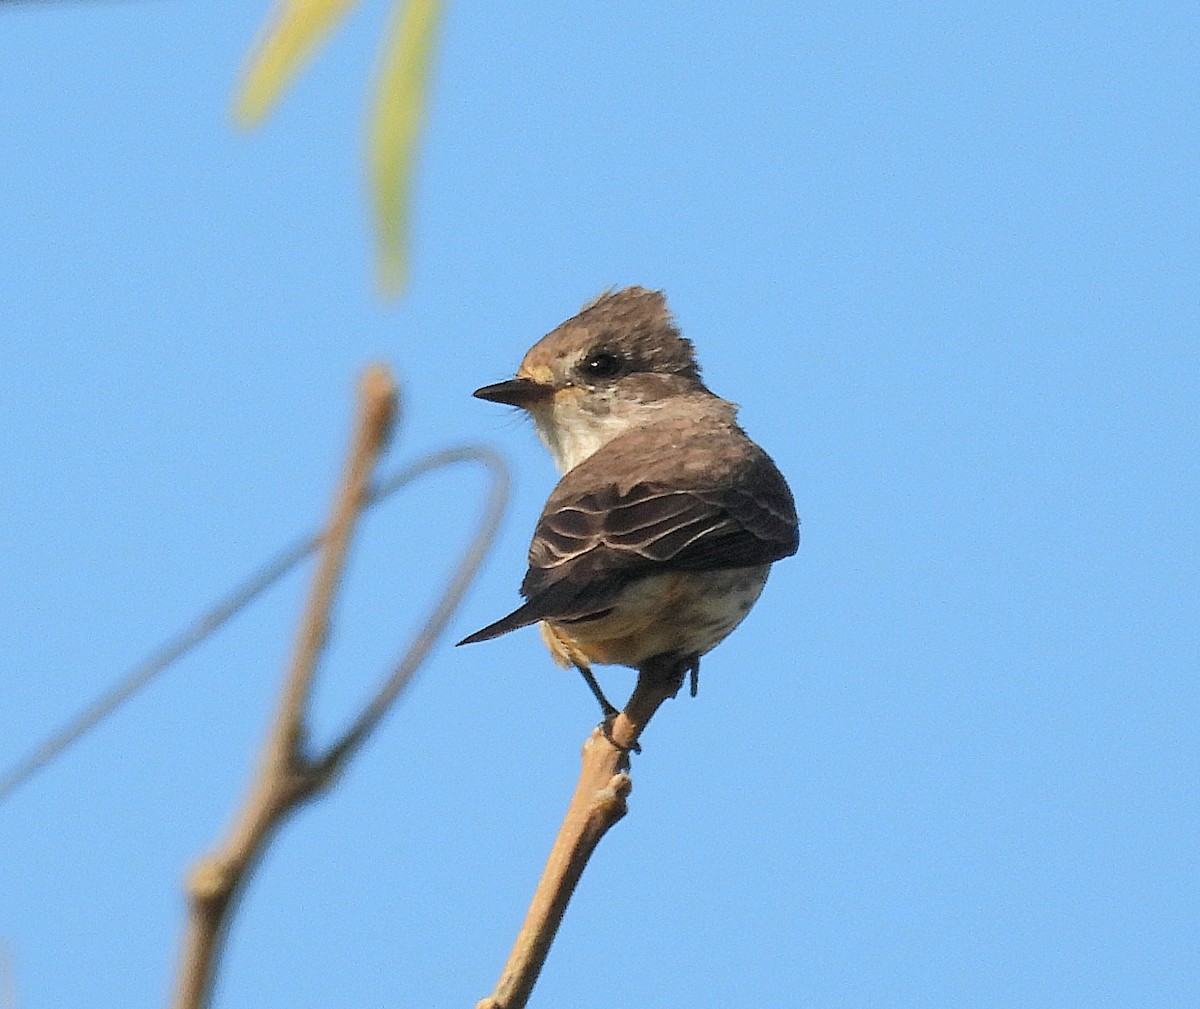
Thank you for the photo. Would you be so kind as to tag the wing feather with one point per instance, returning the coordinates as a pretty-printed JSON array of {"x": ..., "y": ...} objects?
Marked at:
[
  {"x": 683, "y": 496},
  {"x": 586, "y": 548}
]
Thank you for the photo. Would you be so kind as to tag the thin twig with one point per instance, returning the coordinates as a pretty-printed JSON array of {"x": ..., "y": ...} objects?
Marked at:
[
  {"x": 598, "y": 803},
  {"x": 406, "y": 667},
  {"x": 285, "y": 777},
  {"x": 143, "y": 673}
]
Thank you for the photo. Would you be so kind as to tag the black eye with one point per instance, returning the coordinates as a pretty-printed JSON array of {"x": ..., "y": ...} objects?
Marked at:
[{"x": 602, "y": 364}]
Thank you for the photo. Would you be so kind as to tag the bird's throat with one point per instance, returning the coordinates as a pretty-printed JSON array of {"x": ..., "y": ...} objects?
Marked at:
[{"x": 572, "y": 432}]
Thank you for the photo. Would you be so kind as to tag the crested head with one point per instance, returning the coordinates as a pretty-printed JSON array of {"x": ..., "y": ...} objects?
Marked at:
[
  {"x": 613, "y": 367},
  {"x": 615, "y": 337}
]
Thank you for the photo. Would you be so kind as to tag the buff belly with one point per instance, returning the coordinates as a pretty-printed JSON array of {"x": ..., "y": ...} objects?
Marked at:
[{"x": 681, "y": 614}]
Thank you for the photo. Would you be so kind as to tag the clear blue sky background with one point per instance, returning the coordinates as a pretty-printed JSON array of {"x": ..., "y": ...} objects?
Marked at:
[{"x": 948, "y": 259}]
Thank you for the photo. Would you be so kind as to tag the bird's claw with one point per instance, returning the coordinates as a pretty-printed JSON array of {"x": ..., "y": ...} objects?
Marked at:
[{"x": 606, "y": 727}]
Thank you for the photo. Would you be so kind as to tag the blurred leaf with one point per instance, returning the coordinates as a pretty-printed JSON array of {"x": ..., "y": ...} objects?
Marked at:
[
  {"x": 399, "y": 105},
  {"x": 291, "y": 34},
  {"x": 293, "y": 31}
]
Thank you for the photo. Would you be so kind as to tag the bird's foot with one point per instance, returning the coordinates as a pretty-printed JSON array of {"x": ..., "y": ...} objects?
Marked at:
[{"x": 606, "y": 727}]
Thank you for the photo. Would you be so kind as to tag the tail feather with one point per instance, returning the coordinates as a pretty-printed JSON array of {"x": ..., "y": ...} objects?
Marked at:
[{"x": 522, "y": 616}]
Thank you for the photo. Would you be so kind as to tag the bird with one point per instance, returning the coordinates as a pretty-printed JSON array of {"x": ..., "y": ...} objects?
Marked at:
[{"x": 658, "y": 538}]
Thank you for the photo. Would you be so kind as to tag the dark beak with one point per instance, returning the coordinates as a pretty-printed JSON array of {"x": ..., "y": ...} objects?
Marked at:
[{"x": 524, "y": 392}]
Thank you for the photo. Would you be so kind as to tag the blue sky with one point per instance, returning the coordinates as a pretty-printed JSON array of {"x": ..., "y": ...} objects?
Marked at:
[{"x": 946, "y": 257}]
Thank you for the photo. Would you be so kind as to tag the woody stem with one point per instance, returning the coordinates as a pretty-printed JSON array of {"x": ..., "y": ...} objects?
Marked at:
[{"x": 598, "y": 803}]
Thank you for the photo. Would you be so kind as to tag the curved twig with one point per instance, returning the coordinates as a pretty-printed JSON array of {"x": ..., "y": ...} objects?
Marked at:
[
  {"x": 439, "y": 616},
  {"x": 287, "y": 777},
  {"x": 145, "y": 672},
  {"x": 284, "y": 778}
]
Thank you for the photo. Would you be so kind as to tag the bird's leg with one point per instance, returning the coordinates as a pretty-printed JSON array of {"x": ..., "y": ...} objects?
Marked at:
[
  {"x": 607, "y": 709},
  {"x": 693, "y": 668},
  {"x": 668, "y": 669}
]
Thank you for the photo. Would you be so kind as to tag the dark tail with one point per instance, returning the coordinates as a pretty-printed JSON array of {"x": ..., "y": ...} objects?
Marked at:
[{"x": 523, "y": 616}]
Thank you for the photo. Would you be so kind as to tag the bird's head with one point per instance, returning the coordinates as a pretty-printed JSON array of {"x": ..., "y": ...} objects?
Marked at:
[{"x": 598, "y": 374}]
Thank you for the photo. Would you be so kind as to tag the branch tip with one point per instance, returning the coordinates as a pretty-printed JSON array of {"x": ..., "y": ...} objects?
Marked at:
[
  {"x": 380, "y": 397},
  {"x": 287, "y": 776}
]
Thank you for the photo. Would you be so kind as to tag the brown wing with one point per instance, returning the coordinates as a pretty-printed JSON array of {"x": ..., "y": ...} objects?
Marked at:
[{"x": 591, "y": 543}]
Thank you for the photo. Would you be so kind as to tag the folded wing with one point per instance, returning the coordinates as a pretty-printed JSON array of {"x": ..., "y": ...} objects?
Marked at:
[{"x": 592, "y": 541}]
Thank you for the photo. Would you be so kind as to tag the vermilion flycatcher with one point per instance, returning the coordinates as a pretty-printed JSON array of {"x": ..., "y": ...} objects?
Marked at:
[{"x": 658, "y": 538}]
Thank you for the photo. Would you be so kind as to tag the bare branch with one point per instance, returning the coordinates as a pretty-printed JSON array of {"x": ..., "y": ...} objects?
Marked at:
[
  {"x": 284, "y": 776},
  {"x": 598, "y": 803},
  {"x": 342, "y": 750},
  {"x": 377, "y": 409},
  {"x": 143, "y": 673},
  {"x": 146, "y": 671},
  {"x": 287, "y": 777}
]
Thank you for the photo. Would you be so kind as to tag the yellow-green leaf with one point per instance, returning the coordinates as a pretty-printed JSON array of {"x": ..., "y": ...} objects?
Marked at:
[
  {"x": 288, "y": 39},
  {"x": 399, "y": 107}
]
